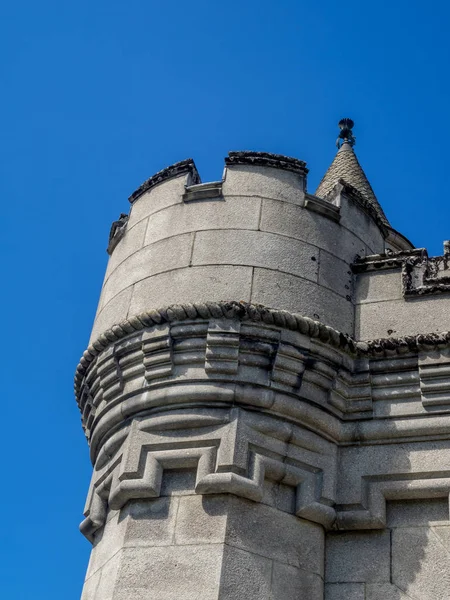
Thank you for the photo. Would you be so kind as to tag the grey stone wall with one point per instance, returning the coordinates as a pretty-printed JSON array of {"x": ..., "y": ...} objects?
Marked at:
[
  {"x": 182, "y": 545},
  {"x": 247, "y": 439},
  {"x": 402, "y": 294},
  {"x": 409, "y": 559}
]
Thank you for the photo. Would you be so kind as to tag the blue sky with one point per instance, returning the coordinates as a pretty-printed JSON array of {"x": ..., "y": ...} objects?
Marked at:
[{"x": 96, "y": 97}]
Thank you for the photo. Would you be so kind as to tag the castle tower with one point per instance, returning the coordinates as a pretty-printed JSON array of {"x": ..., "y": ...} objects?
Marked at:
[{"x": 248, "y": 441}]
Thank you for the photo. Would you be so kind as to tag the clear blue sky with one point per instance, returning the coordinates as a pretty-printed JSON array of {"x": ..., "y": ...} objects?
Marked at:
[{"x": 96, "y": 97}]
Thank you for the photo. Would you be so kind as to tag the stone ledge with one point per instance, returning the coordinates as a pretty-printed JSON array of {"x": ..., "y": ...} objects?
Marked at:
[
  {"x": 385, "y": 260},
  {"x": 203, "y": 191},
  {"x": 323, "y": 207}
]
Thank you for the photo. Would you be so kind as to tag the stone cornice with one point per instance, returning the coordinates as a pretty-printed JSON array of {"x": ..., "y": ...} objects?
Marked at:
[
  {"x": 266, "y": 159},
  {"x": 387, "y": 260},
  {"x": 180, "y": 168},
  {"x": 422, "y": 275},
  {"x": 259, "y": 314},
  {"x": 230, "y": 310}
]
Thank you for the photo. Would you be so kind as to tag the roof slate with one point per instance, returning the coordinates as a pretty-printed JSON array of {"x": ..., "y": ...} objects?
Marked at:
[{"x": 346, "y": 167}]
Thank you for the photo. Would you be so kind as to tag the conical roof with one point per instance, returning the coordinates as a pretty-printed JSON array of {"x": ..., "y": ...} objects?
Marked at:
[{"x": 346, "y": 169}]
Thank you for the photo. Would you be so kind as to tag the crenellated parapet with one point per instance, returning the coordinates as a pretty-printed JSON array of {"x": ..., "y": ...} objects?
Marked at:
[
  {"x": 255, "y": 236},
  {"x": 402, "y": 293}
]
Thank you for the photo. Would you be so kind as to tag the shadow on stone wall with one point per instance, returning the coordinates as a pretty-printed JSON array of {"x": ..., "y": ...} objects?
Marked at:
[
  {"x": 410, "y": 559},
  {"x": 420, "y": 544}
]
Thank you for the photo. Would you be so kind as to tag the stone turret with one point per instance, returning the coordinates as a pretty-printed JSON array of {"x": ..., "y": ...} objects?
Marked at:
[{"x": 239, "y": 420}]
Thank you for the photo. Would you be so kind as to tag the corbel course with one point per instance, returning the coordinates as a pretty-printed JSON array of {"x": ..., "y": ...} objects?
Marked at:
[{"x": 230, "y": 453}]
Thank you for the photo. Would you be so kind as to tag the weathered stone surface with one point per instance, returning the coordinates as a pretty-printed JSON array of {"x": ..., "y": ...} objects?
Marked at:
[
  {"x": 396, "y": 318},
  {"x": 296, "y": 294},
  {"x": 202, "y": 520},
  {"x": 189, "y": 285},
  {"x": 386, "y": 591},
  {"x": 377, "y": 287},
  {"x": 335, "y": 275},
  {"x": 243, "y": 180},
  {"x": 169, "y": 573},
  {"x": 416, "y": 513},
  {"x": 254, "y": 248},
  {"x": 294, "y": 221},
  {"x": 420, "y": 563},
  {"x": 108, "y": 541},
  {"x": 112, "y": 313},
  {"x": 367, "y": 465},
  {"x": 130, "y": 243},
  {"x": 358, "y": 220},
  {"x": 106, "y": 579},
  {"x": 165, "y": 255},
  {"x": 245, "y": 576},
  {"x": 162, "y": 196},
  {"x": 345, "y": 591},
  {"x": 297, "y": 542},
  {"x": 228, "y": 213},
  {"x": 90, "y": 586},
  {"x": 290, "y": 583},
  {"x": 356, "y": 557},
  {"x": 149, "y": 522}
]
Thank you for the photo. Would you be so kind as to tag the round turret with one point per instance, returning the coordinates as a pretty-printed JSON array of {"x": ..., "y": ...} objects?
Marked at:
[{"x": 256, "y": 236}]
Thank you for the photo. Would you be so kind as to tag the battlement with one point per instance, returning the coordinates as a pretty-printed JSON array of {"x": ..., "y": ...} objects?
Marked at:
[
  {"x": 256, "y": 235},
  {"x": 265, "y": 160},
  {"x": 402, "y": 293}
]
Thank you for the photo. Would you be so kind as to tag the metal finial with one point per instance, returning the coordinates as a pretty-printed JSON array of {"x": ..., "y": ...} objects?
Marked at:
[{"x": 346, "y": 134}]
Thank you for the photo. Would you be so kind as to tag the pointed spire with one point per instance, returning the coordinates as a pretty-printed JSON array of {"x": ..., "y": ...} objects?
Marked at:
[{"x": 346, "y": 169}]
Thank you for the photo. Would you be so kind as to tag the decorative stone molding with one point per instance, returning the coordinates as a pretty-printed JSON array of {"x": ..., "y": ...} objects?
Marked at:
[
  {"x": 434, "y": 371},
  {"x": 184, "y": 167},
  {"x": 231, "y": 451},
  {"x": 117, "y": 232},
  {"x": 352, "y": 392},
  {"x": 386, "y": 260},
  {"x": 157, "y": 351},
  {"x": 377, "y": 490},
  {"x": 249, "y": 313},
  {"x": 211, "y": 361},
  {"x": 395, "y": 379},
  {"x": 229, "y": 310},
  {"x": 222, "y": 346},
  {"x": 266, "y": 159},
  {"x": 289, "y": 366},
  {"x": 421, "y": 275}
]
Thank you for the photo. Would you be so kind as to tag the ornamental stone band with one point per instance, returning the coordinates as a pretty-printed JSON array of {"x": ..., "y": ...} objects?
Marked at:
[{"x": 266, "y": 393}]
